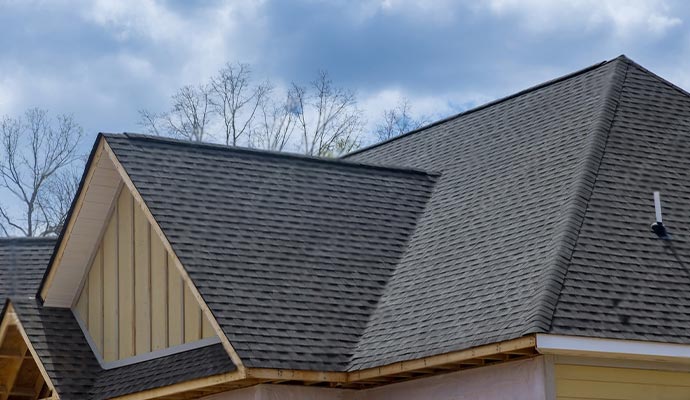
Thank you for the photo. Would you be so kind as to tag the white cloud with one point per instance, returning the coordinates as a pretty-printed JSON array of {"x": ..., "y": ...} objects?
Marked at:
[
  {"x": 423, "y": 10},
  {"x": 627, "y": 17},
  {"x": 429, "y": 107},
  {"x": 8, "y": 96},
  {"x": 199, "y": 40}
]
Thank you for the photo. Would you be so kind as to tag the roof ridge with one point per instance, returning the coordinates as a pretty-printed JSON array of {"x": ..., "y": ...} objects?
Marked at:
[
  {"x": 541, "y": 319},
  {"x": 268, "y": 153},
  {"x": 489, "y": 104},
  {"x": 658, "y": 77}
]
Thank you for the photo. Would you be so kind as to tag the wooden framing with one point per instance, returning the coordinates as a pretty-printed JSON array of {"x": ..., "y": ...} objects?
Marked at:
[
  {"x": 21, "y": 372},
  {"x": 195, "y": 388},
  {"x": 510, "y": 350}
]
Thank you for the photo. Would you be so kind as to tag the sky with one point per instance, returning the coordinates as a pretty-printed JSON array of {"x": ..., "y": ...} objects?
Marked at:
[{"x": 104, "y": 60}]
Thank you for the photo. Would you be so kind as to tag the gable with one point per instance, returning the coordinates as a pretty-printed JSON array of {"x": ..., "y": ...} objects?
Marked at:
[
  {"x": 133, "y": 299},
  {"x": 290, "y": 253},
  {"x": 21, "y": 372}
]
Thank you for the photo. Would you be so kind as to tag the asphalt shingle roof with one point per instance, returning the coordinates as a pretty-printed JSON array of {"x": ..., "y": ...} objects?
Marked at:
[
  {"x": 62, "y": 348},
  {"x": 621, "y": 282},
  {"x": 290, "y": 253},
  {"x": 540, "y": 220},
  {"x": 22, "y": 264},
  {"x": 527, "y": 215},
  {"x": 488, "y": 255}
]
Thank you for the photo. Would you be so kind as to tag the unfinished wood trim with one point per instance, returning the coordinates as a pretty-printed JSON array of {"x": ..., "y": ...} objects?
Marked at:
[
  {"x": 110, "y": 289},
  {"x": 297, "y": 375},
  {"x": 13, "y": 320},
  {"x": 159, "y": 295},
  {"x": 183, "y": 387},
  {"x": 443, "y": 359},
  {"x": 125, "y": 275},
  {"x": 424, "y": 367},
  {"x": 52, "y": 269},
  {"x": 176, "y": 262},
  {"x": 142, "y": 283},
  {"x": 16, "y": 365}
]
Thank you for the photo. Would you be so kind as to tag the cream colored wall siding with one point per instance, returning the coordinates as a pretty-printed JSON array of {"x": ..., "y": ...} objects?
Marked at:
[
  {"x": 603, "y": 383},
  {"x": 133, "y": 300}
]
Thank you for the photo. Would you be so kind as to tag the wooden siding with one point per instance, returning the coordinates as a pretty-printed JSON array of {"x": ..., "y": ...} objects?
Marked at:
[
  {"x": 603, "y": 383},
  {"x": 133, "y": 300}
]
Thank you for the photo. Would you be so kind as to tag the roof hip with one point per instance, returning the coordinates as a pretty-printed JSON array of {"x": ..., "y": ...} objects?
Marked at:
[{"x": 542, "y": 319}]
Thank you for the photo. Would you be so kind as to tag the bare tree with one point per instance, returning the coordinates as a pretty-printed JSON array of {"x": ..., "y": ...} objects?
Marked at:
[
  {"x": 398, "y": 120},
  {"x": 34, "y": 156},
  {"x": 187, "y": 117},
  {"x": 275, "y": 126},
  {"x": 236, "y": 100},
  {"x": 329, "y": 121},
  {"x": 55, "y": 201},
  {"x": 151, "y": 121}
]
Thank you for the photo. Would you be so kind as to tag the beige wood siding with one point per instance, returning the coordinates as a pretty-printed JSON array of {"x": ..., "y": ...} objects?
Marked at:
[
  {"x": 604, "y": 383},
  {"x": 134, "y": 300}
]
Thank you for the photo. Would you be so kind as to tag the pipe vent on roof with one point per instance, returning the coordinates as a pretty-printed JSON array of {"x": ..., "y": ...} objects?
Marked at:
[{"x": 658, "y": 227}]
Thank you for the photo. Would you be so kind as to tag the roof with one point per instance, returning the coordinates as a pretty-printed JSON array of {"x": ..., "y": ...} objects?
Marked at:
[
  {"x": 540, "y": 219},
  {"x": 22, "y": 264},
  {"x": 290, "y": 253},
  {"x": 62, "y": 348},
  {"x": 527, "y": 215}
]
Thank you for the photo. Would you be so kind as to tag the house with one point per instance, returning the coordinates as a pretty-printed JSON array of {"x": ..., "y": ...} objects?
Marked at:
[{"x": 502, "y": 253}]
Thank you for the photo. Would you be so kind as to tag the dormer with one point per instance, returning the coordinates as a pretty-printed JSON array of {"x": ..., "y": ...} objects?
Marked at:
[{"x": 118, "y": 274}]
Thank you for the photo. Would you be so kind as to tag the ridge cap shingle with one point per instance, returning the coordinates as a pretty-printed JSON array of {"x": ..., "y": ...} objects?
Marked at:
[
  {"x": 491, "y": 103},
  {"x": 555, "y": 275},
  {"x": 266, "y": 153}
]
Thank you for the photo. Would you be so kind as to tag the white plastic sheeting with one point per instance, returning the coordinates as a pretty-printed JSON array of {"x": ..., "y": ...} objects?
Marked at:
[
  {"x": 283, "y": 392},
  {"x": 517, "y": 380}
]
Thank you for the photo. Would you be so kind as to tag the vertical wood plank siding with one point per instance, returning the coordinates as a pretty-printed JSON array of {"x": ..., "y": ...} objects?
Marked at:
[{"x": 133, "y": 300}]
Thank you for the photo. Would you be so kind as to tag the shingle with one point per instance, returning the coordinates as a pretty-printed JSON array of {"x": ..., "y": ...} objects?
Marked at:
[
  {"x": 76, "y": 374},
  {"x": 290, "y": 253},
  {"x": 22, "y": 264},
  {"x": 623, "y": 282},
  {"x": 489, "y": 254},
  {"x": 62, "y": 348},
  {"x": 532, "y": 216}
]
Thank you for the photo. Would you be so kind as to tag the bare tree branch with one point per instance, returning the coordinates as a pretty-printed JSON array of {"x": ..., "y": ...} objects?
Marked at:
[
  {"x": 150, "y": 121},
  {"x": 32, "y": 152},
  {"x": 398, "y": 120},
  {"x": 236, "y": 101},
  {"x": 186, "y": 119},
  {"x": 329, "y": 119},
  {"x": 277, "y": 122},
  {"x": 55, "y": 201}
]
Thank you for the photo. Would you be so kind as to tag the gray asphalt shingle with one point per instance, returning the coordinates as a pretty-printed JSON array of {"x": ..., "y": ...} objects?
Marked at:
[
  {"x": 528, "y": 215},
  {"x": 487, "y": 258},
  {"x": 62, "y": 348},
  {"x": 290, "y": 253}
]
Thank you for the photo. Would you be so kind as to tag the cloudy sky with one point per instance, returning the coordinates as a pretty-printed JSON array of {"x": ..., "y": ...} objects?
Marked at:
[{"x": 104, "y": 60}]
